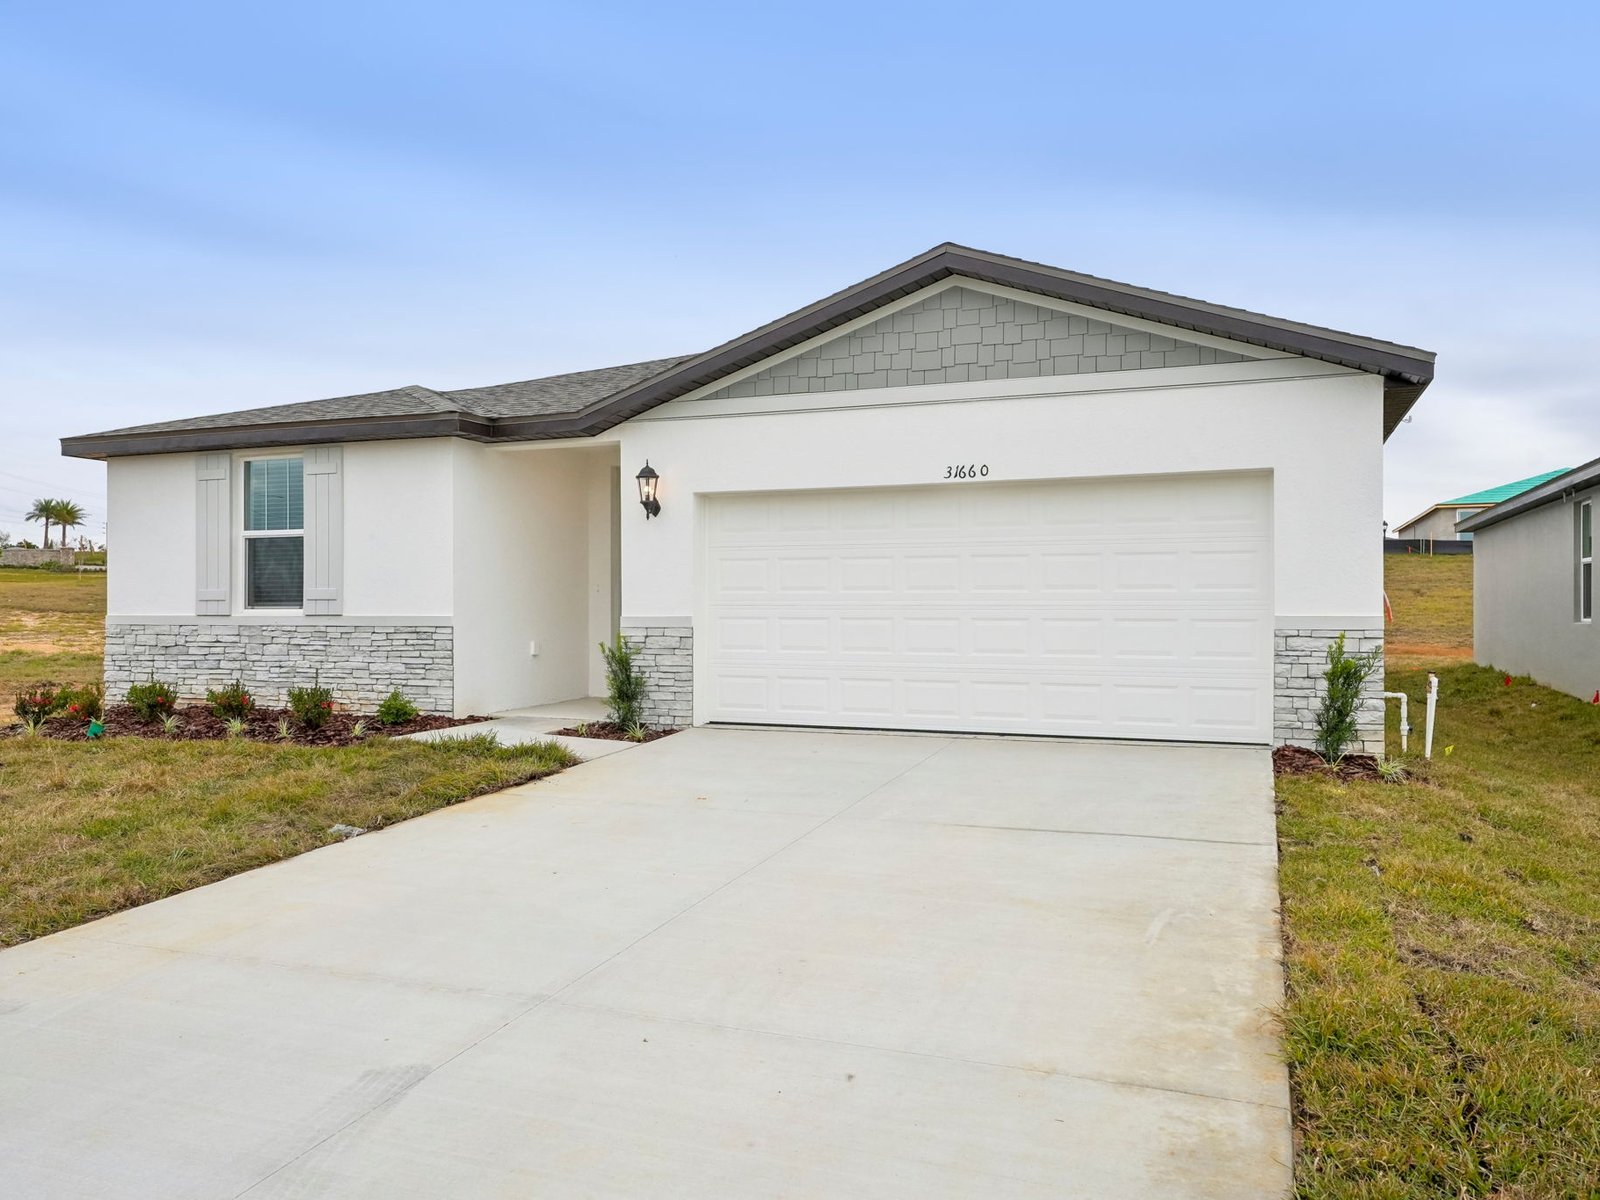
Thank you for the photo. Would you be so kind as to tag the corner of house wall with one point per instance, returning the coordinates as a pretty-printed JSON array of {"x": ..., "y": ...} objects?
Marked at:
[{"x": 665, "y": 653}]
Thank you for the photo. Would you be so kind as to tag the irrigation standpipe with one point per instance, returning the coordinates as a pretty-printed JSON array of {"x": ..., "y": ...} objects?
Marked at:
[
  {"x": 1433, "y": 701},
  {"x": 1405, "y": 724}
]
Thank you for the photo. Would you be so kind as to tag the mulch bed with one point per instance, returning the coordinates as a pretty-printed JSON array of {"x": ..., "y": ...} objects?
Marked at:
[
  {"x": 197, "y": 723},
  {"x": 1297, "y": 760},
  {"x": 611, "y": 732}
]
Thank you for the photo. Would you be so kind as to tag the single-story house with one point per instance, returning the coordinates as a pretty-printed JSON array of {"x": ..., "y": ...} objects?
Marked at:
[
  {"x": 1533, "y": 583},
  {"x": 970, "y": 493},
  {"x": 1443, "y": 521}
]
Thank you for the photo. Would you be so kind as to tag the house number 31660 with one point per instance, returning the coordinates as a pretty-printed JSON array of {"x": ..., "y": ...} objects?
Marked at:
[{"x": 967, "y": 471}]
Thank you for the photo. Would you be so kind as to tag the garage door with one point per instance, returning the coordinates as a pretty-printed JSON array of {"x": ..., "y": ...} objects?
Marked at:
[{"x": 1136, "y": 608}]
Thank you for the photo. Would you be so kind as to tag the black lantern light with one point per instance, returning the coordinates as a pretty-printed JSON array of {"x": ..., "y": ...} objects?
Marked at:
[{"x": 647, "y": 491}]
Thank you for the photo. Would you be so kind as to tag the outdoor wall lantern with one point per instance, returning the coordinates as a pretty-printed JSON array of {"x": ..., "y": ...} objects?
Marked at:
[{"x": 647, "y": 491}]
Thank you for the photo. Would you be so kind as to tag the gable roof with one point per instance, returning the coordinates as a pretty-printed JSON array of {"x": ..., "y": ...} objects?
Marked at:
[
  {"x": 1486, "y": 498},
  {"x": 589, "y": 402},
  {"x": 1506, "y": 491},
  {"x": 1551, "y": 490}
]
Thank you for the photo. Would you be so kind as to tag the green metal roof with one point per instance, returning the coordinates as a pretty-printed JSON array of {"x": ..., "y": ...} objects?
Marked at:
[{"x": 1505, "y": 491}]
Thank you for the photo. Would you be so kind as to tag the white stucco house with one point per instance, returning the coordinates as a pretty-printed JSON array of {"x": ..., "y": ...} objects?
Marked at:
[
  {"x": 970, "y": 493},
  {"x": 1533, "y": 583}
]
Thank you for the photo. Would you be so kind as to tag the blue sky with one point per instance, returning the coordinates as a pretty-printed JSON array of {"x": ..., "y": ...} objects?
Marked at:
[{"x": 210, "y": 206}]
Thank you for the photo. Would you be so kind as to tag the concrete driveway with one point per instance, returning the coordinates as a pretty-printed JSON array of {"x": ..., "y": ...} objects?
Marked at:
[{"x": 727, "y": 964}]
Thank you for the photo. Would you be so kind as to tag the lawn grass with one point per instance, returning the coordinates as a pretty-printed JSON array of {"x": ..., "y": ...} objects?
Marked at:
[
  {"x": 1442, "y": 940},
  {"x": 52, "y": 626},
  {"x": 89, "y": 828},
  {"x": 1431, "y": 596}
]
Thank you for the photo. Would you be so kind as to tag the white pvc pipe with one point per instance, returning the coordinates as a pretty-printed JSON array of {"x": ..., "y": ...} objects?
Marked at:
[
  {"x": 1405, "y": 725},
  {"x": 1433, "y": 700}
]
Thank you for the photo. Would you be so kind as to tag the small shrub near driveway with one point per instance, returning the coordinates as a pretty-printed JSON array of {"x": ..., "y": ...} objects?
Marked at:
[
  {"x": 232, "y": 702},
  {"x": 91, "y": 827},
  {"x": 1343, "y": 681},
  {"x": 312, "y": 706},
  {"x": 396, "y": 709},
  {"x": 625, "y": 684},
  {"x": 152, "y": 701}
]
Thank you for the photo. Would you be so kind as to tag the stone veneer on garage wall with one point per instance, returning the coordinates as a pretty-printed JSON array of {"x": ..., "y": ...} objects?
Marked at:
[
  {"x": 665, "y": 653},
  {"x": 1300, "y": 656},
  {"x": 360, "y": 663}
]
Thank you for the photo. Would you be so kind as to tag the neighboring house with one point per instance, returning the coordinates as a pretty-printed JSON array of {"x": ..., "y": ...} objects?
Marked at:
[
  {"x": 970, "y": 493},
  {"x": 1533, "y": 583},
  {"x": 1442, "y": 522}
]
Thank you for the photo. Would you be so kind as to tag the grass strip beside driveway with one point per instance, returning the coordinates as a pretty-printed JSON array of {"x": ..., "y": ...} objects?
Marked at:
[
  {"x": 1443, "y": 955},
  {"x": 90, "y": 828}
]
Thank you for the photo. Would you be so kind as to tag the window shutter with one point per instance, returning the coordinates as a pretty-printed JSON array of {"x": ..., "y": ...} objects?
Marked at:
[
  {"x": 324, "y": 526},
  {"x": 213, "y": 540}
]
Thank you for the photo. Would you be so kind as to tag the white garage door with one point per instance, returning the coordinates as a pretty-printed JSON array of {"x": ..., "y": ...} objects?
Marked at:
[{"x": 1136, "y": 608}]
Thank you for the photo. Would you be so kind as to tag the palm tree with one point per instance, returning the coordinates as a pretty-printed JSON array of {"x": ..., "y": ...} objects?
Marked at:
[
  {"x": 67, "y": 514},
  {"x": 43, "y": 510}
]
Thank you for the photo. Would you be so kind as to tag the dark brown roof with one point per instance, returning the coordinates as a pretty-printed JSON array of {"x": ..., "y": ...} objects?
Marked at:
[{"x": 585, "y": 403}]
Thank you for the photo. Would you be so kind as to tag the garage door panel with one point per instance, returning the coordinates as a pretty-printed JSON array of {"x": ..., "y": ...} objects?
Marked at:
[
  {"x": 1000, "y": 573},
  {"x": 1148, "y": 639},
  {"x": 1134, "y": 608},
  {"x": 807, "y": 635},
  {"x": 1004, "y": 636},
  {"x": 867, "y": 574}
]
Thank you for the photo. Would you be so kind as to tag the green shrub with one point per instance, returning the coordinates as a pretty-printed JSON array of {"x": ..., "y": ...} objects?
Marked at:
[
  {"x": 396, "y": 709},
  {"x": 625, "y": 684},
  {"x": 232, "y": 702},
  {"x": 312, "y": 706},
  {"x": 1344, "y": 679},
  {"x": 91, "y": 558},
  {"x": 152, "y": 701},
  {"x": 39, "y": 700},
  {"x": 86, "y": 703}
]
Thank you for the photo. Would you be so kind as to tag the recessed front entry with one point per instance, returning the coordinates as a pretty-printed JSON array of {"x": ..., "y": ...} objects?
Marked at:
[{"x": 1134, "y": 607}]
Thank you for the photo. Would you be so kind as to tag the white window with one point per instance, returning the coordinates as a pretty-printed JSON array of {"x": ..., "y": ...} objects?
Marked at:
[
  {"x": 1461, "y": 515},
  {"x": 1585, "y": 562},
  {"x": 274, "y": 533}
]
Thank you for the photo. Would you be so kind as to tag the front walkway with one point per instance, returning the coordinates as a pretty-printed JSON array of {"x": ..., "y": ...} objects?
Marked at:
[{"x": 726, "y": 964}]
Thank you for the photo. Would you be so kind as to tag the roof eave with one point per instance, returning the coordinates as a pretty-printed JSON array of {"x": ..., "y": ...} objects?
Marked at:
[{"x": 298, "y": 433}]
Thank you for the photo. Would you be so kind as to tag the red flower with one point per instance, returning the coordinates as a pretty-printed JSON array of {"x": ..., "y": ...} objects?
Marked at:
[{"x": 72, "y": 708}]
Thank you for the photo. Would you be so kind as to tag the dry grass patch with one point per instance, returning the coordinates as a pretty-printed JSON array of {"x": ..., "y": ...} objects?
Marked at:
[
  {"x": 1432, "y": 600},
  {"x": 52, "y": 626},
  {"x": 25, "y": 590},
  {"x": 1443, "y": 956},
  {"x": 89, "y": 828}
]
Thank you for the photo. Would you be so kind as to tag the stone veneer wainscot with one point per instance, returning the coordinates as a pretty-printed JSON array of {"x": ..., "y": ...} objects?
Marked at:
[
  {"x": 665, "y": 653},
  {"x": 361, "y": 664},
  {"x": 1300, "y": 657}
]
